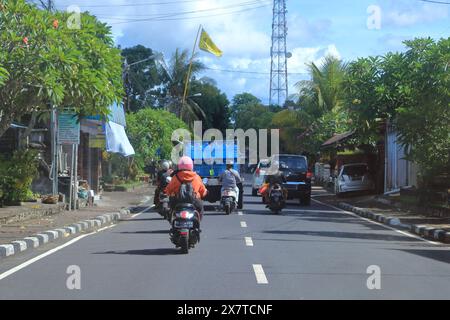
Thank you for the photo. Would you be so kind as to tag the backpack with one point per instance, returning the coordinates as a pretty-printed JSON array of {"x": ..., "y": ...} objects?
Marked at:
[{"x": 186, "y": 193}]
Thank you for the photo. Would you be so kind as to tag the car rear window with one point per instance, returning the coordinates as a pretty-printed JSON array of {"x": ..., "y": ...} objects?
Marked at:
[
  {"x": 295, "y": 163},
  {"x": 355, "y": 171}
]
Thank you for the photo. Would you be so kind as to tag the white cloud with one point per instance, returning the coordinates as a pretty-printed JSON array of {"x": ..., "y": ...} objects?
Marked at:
[
  {"x": 403, "y": 13},
  {"x": 244, "y": 37}
]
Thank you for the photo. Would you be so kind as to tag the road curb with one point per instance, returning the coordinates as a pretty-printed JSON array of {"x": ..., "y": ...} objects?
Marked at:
[
  {"x": 421, "y": 230},
  {"x": 42, "y": 238}
]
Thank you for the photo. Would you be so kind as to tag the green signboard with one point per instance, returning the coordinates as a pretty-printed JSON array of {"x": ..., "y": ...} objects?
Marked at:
[{"x": 68, "y": 128}]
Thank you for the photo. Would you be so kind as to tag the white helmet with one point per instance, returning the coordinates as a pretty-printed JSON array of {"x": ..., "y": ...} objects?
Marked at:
[{"x": 165, "y": 165}]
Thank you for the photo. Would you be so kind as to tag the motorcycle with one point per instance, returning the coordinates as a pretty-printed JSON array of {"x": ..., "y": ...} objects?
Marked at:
[
  {"x": 276, "y": 199},
  {"x": 229, "y": 200},
  {"x": 185, "y": 232},
  {"x": 164, "y": 202}
]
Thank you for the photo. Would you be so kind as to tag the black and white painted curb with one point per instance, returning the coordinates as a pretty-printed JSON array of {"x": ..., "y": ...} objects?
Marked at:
[
  {"x": 421, "y": 230},
  {"x": 43, "y": 238}
]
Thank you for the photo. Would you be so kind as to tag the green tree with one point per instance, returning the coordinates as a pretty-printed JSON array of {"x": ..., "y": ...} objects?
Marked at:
[
  {"x": 253, "y": 117},
  {"x": 320, "y": 112},
  {"x": 323, "y": 92},
  {"x": 423, "y": 121},
  {"x": 3, "y": 76},
  {"x": 178, "y": 71},
  {"x": 50, "y": 63},
  {"x": 411, "y": 90},
  {"x": 214, "y": 104},
  {"x": 150, "y": 132},
  {"x": 242, "y": 100},
  {"x": 145, "y": 80}
]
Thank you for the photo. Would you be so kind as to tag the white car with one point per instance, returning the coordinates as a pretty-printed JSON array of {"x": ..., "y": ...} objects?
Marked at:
[
  {"x": 259, "y": 175},
  {"x": 353, "y": 177}
]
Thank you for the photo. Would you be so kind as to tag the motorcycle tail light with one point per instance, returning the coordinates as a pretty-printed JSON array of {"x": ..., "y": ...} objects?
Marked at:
[{"x": 186, "y": 215}]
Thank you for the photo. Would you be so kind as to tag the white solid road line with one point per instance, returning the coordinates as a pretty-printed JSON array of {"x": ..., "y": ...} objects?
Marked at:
[
  {"x": 379, "y": 224},
  {"x": 260, "y": 275},
  {"x": 42, "y": 256},
  {"x": 248, "y": 242},
  {"x": 142, "y": 212},
  {"x": 243, "y": 224}
]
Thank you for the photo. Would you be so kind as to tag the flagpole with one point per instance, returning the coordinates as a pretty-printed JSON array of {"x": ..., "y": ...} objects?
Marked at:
[{"x": 190, "y": 65}]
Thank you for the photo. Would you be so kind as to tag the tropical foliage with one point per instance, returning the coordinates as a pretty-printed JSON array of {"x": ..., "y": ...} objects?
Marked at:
[
  {"x": 50, "y": 63},
  {"x": 150, "y": 132}
]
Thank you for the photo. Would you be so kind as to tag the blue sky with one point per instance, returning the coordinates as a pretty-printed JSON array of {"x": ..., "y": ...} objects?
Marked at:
[{"x": 242, "y": 29}]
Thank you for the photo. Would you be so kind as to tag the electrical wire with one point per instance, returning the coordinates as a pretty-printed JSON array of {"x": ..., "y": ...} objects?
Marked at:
[
  {"x": 173, "y": 14},
  {"x": 187, "y": 18},
  {"x": 251, "y": 72},
  {"x": 435, "y": 1},
  {"x": 138, "y": 4}
]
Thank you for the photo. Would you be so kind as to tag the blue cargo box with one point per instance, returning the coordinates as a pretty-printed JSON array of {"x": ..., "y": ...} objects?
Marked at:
[{"x": 214, "y": 157}]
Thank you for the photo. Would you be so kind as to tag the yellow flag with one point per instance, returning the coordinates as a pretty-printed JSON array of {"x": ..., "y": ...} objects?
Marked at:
[{"x": 206, "y": 44}]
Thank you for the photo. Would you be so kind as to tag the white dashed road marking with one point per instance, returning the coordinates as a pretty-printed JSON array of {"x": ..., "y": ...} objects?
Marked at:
[
  {"x": 260, "y": 275},
  {"x": 248, "y": 242},
  {"x": 243, "y": 224},
  {"x": 240, "y": 213}
]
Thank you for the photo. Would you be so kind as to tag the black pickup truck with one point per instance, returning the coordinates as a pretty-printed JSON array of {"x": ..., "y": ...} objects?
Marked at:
[{"x": 298, "y": 178}]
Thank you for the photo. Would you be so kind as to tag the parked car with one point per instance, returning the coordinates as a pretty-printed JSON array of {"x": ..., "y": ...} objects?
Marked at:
[
  {"x": 353, "y": 177},
  {"x": 298, "y": 177},
  {"x": 259, "y": 175}
]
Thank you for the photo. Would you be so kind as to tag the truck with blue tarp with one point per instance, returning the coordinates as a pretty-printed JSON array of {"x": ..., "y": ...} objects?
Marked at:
[{"x": 210, "y": 161}]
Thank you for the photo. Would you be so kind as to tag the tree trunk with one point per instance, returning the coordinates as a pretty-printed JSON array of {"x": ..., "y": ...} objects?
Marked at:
[
  {"x": 5, "y": 123},
  {"x": 29, "y": 129}
]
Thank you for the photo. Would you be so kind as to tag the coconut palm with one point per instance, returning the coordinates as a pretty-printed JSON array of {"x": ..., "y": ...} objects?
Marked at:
[
  {"x": 188, "y": 110},
  {"x": 324, "y": 91}
]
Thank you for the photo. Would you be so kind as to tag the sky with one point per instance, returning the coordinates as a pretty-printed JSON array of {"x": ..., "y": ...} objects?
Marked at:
[{"x": 347, "y": 29}]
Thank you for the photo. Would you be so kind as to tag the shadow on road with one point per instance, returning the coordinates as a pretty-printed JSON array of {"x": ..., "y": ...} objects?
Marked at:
[
  {"x": 143, "y": 219},
  {"x": 145, "y": 232},
  {"x": 351, "y": 235},
  {"x": 438, "y": 255},
  {"x": 145, "y": 252}
]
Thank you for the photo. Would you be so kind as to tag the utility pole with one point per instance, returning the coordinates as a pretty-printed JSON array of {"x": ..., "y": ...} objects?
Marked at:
[
  {"x": 54, "y": 131},
  {"x": 279, "y": 55}
]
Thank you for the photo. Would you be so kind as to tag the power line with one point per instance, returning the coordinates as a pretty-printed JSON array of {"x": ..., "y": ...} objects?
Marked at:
[
  {"x": 153, "y": 4},
  {"x": 252, "y": 72},
  {"x": 139, "y": 4},
  {"x": 173, "y": 14},
  {"x": 434, "y": 1},
  {"x": 169, "y": 18}
]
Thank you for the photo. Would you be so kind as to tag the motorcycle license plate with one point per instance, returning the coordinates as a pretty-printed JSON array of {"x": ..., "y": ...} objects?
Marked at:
[{"x": 184, "y": 224}]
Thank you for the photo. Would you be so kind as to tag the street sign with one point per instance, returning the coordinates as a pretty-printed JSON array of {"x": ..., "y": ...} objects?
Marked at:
[{"x": 68, "y": 128}]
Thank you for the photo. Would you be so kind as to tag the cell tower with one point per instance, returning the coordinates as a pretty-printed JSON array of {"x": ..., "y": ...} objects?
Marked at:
[{"x": 278, "y": 69}]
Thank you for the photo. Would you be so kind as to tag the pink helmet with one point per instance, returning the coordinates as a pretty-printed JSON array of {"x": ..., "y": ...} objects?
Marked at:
[{"x": 185, "y": 163}]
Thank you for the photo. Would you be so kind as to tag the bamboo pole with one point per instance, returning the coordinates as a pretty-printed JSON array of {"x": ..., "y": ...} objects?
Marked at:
[{"x": 190, "y": 66}]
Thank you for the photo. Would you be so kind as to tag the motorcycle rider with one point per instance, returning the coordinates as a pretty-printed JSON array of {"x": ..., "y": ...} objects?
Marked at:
[
  {"x": 230, "y": 178},
  {"x": 274, "y": 176},
  {"x": 185, "y": 174},
  {"x": 161, "y": 179}
]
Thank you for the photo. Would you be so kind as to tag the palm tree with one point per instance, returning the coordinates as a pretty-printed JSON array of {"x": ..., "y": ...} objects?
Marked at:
[
  {"x": 324, "y": 91},
  {"x": 188, "y": 110}
]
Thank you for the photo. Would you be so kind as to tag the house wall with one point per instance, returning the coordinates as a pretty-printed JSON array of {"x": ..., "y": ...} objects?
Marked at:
[{"x": 398, "y": 172}]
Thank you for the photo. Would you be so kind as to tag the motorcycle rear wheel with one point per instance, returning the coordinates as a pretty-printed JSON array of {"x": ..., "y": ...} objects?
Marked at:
[{"x": 184, "y": 244}]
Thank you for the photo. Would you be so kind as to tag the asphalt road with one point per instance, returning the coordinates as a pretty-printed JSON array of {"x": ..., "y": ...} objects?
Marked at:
[{"x": 315, "y": 252}]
